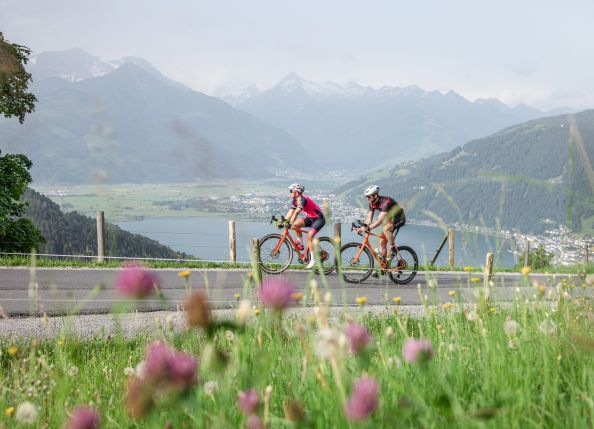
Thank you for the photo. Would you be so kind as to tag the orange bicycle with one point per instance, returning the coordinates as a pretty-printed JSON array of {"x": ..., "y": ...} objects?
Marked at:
[
  {"x": 277, "y": 250},
  {"x": 358, "y": 260}
]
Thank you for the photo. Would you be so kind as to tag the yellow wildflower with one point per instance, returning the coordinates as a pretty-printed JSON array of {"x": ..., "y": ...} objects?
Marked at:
[
  {"x": 447, "y": 305},
  {"x": 361, "y": 300},
  {"x": 396, "y": 300},
  {"x": 256, "y": 311},
  {"x": 12, "y": 351},
  {"x": 475, "y": 279},
  {"x": 297, "y": 296},
  {"x": 9, "y": 411},
  {"x": 61, "y": 342},
  {"x": 468, "y": 268},
  {"x": 184, "y": 274},
  {"x": 541, "y": 289},
  {"x": 452, "y": 293},
  {"x": 525, "y": 270},
  {"x": 237, "y": 296}
]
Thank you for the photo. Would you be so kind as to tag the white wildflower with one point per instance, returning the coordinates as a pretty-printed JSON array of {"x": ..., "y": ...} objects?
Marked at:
[
  {"x": 326, "y": 343},
  {"x": 211, "y": 387},
  {"x": 511, "y": 327},
  {"x": 26, "y": 412},
  {"x": 128, "y": 371},
  {"x": 472, "y": 315},
  {"x": 389, "y": 332},
  {"x": 548, "y": 327},
  {"x": 243, "y": 311},
  {"x": 140, "y": 369},
  {"x": 230, "y": 336}
]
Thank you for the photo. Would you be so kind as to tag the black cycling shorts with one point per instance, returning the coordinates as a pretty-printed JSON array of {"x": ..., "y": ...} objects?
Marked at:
[{"x": 315, "y": 223}]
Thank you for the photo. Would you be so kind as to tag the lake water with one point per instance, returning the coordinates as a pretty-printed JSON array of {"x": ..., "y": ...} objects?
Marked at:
[{"x": 208, "y": 238}]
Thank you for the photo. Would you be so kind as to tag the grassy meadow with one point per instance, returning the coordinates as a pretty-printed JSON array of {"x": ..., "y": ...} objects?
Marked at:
[
  {"x": 528, "y": 363},
  {"x": 122, "y": 202}
]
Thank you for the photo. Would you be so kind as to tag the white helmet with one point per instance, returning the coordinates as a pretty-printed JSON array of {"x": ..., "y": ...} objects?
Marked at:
[
  {"x": 371, "y": 190},
  {"x": 296, "y": 187}
]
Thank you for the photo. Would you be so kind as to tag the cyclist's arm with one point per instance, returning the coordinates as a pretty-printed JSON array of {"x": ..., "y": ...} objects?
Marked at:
[
  {"x": 379, "y": 221},
  {"x": 294, "y": 215},
  {"x": 289, "y": 214},
  {"x": 369, "y": 217}
]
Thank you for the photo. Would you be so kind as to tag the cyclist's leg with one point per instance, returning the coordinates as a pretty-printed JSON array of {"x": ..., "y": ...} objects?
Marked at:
[
  {"x": 382, "y": 245},
  {"x": 388, "y": 230},
  {"x": 315, "y": 224},
  {"x": 299, "y": 223}
]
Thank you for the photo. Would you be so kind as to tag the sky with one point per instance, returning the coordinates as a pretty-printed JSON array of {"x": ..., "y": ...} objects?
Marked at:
[{"x": 521, "y": 51}]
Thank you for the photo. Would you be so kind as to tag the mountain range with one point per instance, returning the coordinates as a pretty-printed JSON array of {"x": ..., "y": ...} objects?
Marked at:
[
  {"x": 358, "y": 127},
  {"x": 533, "y": 177},
  {"x": 131, "y": 124}
]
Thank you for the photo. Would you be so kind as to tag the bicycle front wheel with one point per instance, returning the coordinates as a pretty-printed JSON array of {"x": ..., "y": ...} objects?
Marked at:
[
  {"x": 275, "y": 255},
  {"x": 353, "y": 269},
  {"x": 326, "y": 255},
  {"x": 404, "y": 266}
]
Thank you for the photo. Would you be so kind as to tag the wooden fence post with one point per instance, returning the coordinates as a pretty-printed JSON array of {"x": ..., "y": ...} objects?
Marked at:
[
  {"x": 232, "y": 248},
  {"x": 256, "y": 261},
  {"x": 438, "y": 251},
  {"x": 587, "y": 253},
  {"x": 326, "y": 207},
  {"x": 451, "y": 236},
  {"x": 100, "y": 237},
  {"x": 338, "y": 234},
  {"x": 527, "y": 253},
  {"x": 488, "y": 269}
]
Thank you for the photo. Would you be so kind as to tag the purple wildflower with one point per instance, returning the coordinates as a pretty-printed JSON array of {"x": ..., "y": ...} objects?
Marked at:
[
  {"x": 254, "y": 422},
  {"x": 156, "y": 366},
  {"x": 249, "y": 401},
  {"x": 358, "y": 337},
  {"x": 83, "y": 418},
  {"x": 164, "y": 365},
  {"x": 276, "y": 293},
  {"x": 183, "y": 370},
  {"x": 363, "y": 400},
  {"x": 417, "y": 350},
  {"x": 133, "y": 280}
]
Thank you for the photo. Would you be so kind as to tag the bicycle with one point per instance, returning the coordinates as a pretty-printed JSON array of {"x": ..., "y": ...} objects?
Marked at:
[
  {"x": 358, "y": 260},
  {"x": 277, "y": 250}
]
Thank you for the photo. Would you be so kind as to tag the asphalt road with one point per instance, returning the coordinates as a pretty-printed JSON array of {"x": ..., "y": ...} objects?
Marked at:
[{"x": 58, "y": 290}]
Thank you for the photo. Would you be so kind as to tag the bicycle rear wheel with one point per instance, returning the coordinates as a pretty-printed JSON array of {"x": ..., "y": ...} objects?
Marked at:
[
  {"x": 355, "y": 270},
  {"x": 275, "y": 262},
  {"x": 404, "y": 266},
  {"x": 326, "y": 256}
]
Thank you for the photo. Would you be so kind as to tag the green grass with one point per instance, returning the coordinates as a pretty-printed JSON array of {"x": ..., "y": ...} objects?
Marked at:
[
  {"x": 23, "y": 261},
  {"x": 132, "y": 201},
  {"x": 478, "y": 377}
]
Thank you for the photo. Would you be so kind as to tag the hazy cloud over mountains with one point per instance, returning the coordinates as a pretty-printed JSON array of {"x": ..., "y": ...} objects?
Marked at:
[{"x": 517, "y": 52}]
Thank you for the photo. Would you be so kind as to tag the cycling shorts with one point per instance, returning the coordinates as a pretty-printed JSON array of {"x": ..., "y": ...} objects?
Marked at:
[{"x": 315, "y": 223}]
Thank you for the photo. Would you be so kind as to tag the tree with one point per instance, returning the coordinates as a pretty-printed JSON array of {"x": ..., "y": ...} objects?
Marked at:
[
  {"x": 14, "y": 80},
  {"x": 16, "y": 233}
]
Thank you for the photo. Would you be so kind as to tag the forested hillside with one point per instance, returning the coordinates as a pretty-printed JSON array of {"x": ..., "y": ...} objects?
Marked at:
[
  {"x": 74, "y": 234},
  {"x": 532, "y": 177}
]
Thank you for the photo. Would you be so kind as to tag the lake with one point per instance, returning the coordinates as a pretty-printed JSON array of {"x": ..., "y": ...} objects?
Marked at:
[{"x": 208, "y": 238}]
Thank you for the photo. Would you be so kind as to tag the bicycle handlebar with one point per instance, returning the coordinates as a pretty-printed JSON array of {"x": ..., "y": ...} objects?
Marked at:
[{"x": 282, "y": 223}]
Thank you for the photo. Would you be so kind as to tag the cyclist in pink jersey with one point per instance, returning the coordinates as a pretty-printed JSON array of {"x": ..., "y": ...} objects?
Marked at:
[{"x": 314, "y": 217}]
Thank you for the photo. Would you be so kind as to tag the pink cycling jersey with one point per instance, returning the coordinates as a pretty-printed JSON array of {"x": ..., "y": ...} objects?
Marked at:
[{"x": 308, "y": 206}]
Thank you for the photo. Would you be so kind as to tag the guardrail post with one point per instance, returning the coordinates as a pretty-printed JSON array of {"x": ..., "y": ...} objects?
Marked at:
[
  {"x": 527, "y": 253},
  {"x": 232, "y": 249},
  {"x": 100, "y": 237},
  {"x": 338, "y": 234},
  {"x": 256, "y": 261},
  {"x": 488, "y": 269},
  {"x": 451, "y": 236}
]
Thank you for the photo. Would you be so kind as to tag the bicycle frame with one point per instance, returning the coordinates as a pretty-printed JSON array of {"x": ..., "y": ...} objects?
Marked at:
[
  {"x": 287, "y": 233},
  {"x": 366, "y": 243}
]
